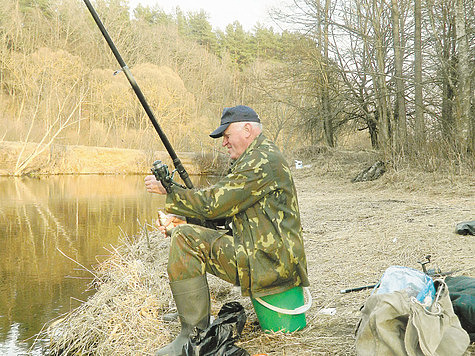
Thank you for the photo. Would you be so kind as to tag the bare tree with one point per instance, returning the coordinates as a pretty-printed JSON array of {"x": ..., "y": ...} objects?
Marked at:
[
  {"x": 419, "y": 132},
  {"x": 327, "y": 116},
  {"x": 378, "y": 51},
  {"x": 400, "y": 134},
  {"x": 64, "y": 118},
  {"x": 463, "y": 74}
]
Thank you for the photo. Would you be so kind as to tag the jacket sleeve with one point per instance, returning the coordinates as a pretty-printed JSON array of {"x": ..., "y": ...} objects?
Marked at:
[{"x": 236, "y": 192}]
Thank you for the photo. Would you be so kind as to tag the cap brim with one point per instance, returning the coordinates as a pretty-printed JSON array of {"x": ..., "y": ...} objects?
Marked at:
[{"x": 219, "y": 131}]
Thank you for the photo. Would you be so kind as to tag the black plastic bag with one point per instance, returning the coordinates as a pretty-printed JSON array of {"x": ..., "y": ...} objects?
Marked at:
[
  {"x": 218, "y": 339},
  {"x": 462, "y": 295}
]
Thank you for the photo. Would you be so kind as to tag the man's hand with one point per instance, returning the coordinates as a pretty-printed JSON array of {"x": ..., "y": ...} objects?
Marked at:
[
  {"x": 153, "y": 185},
  {"x": 167, "y": 222}
]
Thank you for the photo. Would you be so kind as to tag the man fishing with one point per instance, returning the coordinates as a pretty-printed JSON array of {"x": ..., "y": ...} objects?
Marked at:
[{"x": 261, "y": 250}]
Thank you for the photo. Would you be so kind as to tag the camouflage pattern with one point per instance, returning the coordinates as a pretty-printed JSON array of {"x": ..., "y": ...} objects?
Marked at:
[
  {"x": 258, "y": 197},
  {"x": 197, "y": 249}
]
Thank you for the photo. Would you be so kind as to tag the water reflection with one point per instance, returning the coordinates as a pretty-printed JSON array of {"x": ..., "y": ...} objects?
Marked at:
[{"x": 78, "y": 215}]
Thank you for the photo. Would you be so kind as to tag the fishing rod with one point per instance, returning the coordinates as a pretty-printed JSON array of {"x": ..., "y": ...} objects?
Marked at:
[{"x": 176, "y": 161}]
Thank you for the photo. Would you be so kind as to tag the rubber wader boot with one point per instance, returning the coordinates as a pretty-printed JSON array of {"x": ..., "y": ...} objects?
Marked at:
[{"x": 193, "y": 305}]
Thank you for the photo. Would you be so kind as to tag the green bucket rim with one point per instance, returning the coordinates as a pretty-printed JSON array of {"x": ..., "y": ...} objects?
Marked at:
[{"x": 297, "y": 311}]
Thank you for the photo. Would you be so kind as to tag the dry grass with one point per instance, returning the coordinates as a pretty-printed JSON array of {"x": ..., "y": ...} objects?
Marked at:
[
  {"x": 213, "y": 163},
  {"x": 352, "y": 231},
  {"x": 124, "y": 316}
]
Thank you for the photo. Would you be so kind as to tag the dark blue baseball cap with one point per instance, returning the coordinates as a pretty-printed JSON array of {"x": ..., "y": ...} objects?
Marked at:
[{"x": 240, "y": 113}]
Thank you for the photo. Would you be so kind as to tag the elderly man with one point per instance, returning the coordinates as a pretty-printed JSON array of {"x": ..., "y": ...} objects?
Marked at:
[{"x": 262, "y": 252}]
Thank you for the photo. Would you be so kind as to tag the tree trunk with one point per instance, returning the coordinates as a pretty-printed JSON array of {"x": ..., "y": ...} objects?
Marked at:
[
  {"x": 449, "y": 124},
  {"x": 400, "y": 134},
  {"x": 373, "y": 130},
  {"x": 419, "y": 134},
  {"x": 463, "y": 76},
  {"x": 327, "y": 118},
  {"x": 380, "y": 86}
]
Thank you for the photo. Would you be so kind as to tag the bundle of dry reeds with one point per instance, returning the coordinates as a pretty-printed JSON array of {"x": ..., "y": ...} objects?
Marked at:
[{"x": 124, "y": 316}]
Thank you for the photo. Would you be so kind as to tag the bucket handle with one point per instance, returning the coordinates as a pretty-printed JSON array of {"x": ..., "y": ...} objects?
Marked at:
[{"x": 296, "y": 311}]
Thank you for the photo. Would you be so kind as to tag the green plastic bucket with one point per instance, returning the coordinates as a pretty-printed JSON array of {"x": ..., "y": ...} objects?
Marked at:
[{"x": 283, "y": 311}]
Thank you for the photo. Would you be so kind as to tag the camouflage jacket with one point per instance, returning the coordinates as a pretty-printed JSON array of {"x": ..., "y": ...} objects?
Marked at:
[{"x": 259, "y": 197}]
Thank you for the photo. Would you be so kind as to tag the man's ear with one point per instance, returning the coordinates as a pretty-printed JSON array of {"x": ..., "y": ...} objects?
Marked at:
[{"x": 248, "y": 129}]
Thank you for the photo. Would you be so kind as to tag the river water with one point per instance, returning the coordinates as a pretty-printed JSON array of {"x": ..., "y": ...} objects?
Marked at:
[{"x": 48, "y": 228}]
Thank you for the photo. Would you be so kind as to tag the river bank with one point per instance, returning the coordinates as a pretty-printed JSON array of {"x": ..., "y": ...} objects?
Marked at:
[
  {"x": 39, "y": 159},
  {"x": 352, "y": 233}
]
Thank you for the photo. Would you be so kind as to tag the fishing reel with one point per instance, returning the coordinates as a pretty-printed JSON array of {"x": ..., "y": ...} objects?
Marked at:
[{"x": 162, "y": 174}]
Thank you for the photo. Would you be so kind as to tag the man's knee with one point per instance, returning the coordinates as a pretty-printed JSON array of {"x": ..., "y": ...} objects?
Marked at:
[
  {"x": 181, "y": 229},
  {"x": 187, "y": 239},
  {"x": 182, "y": 233}
]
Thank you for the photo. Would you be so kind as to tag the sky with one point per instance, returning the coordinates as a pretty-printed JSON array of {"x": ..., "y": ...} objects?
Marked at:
[{"x": 221, "y": 13}]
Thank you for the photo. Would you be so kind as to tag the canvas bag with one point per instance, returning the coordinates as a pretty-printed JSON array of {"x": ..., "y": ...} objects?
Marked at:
[{"x": 396, "y": 324}]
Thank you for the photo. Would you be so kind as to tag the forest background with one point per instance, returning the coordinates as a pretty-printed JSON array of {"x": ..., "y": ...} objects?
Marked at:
[{"x": 394, "y": 76}]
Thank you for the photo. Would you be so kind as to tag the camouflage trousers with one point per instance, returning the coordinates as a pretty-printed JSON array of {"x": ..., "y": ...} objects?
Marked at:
[{"x": 195, "y": 250}]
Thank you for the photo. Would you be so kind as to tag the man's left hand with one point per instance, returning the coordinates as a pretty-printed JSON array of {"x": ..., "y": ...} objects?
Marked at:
[{"x": 153, "y": 185}]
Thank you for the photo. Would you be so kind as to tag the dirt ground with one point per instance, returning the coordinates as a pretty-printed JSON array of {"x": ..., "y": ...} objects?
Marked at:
[{"x": 352, "y": 233}]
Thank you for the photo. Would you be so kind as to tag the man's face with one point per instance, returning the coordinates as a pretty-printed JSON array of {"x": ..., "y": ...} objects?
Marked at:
[{"x": 235, "y": 138}]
